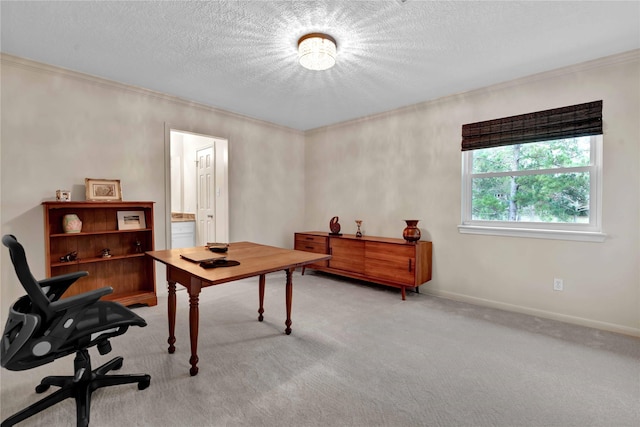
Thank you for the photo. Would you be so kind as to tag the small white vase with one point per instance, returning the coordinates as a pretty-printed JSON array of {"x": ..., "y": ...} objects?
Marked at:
[{"x": 71, "y": 223}]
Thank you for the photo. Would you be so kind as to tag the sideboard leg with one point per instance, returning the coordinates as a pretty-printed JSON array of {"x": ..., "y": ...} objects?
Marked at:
[
  {"x": 404, "y": 293},
  {"x": 261, "y": 297},
  {"x": 288, "y": 297}
]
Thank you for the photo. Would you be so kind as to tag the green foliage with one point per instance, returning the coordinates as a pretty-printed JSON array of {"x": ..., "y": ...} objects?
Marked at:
[{"x": 543, "y": 197}]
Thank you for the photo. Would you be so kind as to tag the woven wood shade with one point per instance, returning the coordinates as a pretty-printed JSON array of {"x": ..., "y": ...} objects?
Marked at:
[{"x": 558, "y": 123}]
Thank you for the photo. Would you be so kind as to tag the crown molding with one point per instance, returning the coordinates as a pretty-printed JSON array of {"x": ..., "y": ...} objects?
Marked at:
[
  {"x": 31, "y": 65},
  {"x": 607, "y": 61}
]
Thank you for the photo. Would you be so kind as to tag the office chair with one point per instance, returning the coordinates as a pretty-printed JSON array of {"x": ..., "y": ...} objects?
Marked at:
[{"x": 42, "y": 327}]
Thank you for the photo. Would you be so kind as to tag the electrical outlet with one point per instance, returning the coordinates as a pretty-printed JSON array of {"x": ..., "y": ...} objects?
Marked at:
[{"x": 558, "y": 285}]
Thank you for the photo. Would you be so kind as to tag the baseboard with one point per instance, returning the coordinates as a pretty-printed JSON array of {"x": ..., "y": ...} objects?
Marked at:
[{"x": 611, "y": 327}]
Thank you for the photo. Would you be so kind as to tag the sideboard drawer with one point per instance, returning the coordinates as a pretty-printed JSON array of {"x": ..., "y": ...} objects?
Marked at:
[
  {"x": 303, "y": 245},
  {"x": 311, "y": 238},
  {"x": 312, "y": 243}
]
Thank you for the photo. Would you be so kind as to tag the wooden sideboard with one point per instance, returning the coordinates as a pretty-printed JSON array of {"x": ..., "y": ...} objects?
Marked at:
[
  {"x": 127, "y": 270},
  {"x": 383, "y": 260}
]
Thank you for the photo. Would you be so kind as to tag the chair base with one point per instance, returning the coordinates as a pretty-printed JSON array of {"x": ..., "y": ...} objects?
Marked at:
[{"x": 79, "y": 387}]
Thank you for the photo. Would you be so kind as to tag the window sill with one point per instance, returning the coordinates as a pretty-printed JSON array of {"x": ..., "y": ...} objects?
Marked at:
[{"x": 581, "y": 236}]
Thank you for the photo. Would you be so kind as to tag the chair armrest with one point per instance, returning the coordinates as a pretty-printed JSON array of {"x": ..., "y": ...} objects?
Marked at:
[
  {"x": 85, "y": 298},
  {"x": 55, "y": 287}
]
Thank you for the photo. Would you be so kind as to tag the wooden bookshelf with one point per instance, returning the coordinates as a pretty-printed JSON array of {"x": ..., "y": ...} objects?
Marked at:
[{"x": 128, "y": 271}]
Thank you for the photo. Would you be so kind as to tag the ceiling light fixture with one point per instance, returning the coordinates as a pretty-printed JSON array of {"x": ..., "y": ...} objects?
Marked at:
[{"x": 317, "y": 51}]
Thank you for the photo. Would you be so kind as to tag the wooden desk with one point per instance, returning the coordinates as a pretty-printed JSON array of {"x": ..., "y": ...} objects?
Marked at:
[{"x": 255, "y": 260}]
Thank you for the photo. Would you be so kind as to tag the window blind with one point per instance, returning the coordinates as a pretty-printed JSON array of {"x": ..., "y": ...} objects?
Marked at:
[{"x": 558, "y": 123}]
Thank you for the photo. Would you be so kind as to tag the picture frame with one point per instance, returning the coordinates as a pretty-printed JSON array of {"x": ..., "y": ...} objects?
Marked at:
[
  {"x": 103, "y": 190},
  {"x": 131, "y": 220}
]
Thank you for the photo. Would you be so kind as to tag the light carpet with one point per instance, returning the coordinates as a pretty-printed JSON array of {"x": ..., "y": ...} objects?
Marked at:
[{"x": 358, "y": 356}]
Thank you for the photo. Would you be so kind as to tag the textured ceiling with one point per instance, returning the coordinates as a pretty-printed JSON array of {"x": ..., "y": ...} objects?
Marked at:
[{"x": 241, "y": 55}]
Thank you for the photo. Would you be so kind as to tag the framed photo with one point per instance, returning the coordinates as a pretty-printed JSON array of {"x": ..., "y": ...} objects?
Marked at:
[
  {"x": 103, "y": 190},
  {"x": 131, "y": 220}
]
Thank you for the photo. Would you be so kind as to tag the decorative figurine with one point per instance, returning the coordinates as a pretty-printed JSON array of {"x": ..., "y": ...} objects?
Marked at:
[
  {"x": 71, "y": 256},
  {"x": 358, "y": 223},
  {"x": 138, "y": 249},
  {"x": 106, "y": 253},
  {"x": 334, "y": 226}
]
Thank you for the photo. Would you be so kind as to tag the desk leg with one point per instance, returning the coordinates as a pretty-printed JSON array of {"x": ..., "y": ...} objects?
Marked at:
[
  {"x": 261, "y": 297},
  {"x": 288, "y": 296},
  {"x": 194, "y": 320},
  {"x": 171, "y": 309}
]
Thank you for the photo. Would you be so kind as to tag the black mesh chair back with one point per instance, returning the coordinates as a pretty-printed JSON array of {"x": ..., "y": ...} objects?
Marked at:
[{"x": 42, "y": 327}]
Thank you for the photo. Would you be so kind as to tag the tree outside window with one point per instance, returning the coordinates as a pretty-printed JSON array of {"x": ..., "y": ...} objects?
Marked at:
[{"x": 536, "y": 182}]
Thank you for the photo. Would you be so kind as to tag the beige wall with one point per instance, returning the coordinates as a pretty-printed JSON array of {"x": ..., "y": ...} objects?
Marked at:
[
  {"x": 406, "y": 164},
  {"x": 59, "y": 127}
]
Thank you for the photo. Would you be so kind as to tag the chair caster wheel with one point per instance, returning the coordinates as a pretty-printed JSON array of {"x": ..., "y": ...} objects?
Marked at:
[
  {"x": 41, "y": 388},
  {"x": 144, "y": 384},
  {"x": 117, "y": 365}
]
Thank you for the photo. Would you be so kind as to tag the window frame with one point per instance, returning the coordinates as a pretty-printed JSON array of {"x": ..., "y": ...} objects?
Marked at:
[{"x": 591, "y": 232}]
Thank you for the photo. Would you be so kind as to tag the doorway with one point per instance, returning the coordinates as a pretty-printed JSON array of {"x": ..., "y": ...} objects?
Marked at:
[{"x": 198, "y": 189}]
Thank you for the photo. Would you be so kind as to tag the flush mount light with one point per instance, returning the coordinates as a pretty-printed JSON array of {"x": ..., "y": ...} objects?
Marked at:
[{"x": 317, "y": 51}]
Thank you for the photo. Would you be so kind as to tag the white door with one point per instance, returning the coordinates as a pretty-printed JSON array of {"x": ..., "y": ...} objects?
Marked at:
[
  {"x": 198, "y": 168},
  {"x": 205, "y": 166}
]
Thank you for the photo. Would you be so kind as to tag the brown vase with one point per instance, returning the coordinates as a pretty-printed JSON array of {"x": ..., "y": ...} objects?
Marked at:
[{"x": 411, "y": 233}]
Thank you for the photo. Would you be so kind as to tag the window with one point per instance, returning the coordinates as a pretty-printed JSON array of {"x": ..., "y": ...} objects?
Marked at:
[{"x": 534, "y": 175}]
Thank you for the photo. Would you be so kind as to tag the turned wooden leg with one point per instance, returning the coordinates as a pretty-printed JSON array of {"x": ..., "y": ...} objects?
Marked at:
[
  {"x": 261, "y": 297},
  {"x": 404, "y": 293},
  {"x": 194, "y": 320},
  {"x": 288, "y": 296},
  {"x": 171, "y": 311}
]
